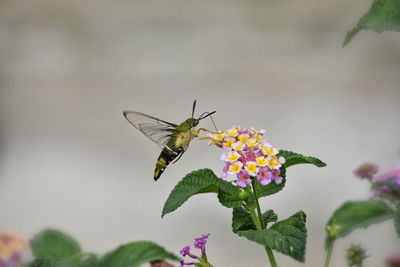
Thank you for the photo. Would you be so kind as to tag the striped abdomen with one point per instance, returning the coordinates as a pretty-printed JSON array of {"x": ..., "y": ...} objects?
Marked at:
[{"x": 166, "y": 156}]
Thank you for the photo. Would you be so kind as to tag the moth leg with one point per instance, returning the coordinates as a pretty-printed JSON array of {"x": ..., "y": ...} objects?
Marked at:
[
  {"x": 204, "y": 137},
  {"x": 205, "y": 130}
]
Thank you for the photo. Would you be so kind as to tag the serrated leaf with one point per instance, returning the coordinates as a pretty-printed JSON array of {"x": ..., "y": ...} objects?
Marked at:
[
  {"x": 134, "y": 254},
  {"x": 242, "y": 221},
  {"x": 397, "y": 219},
  {"x": 198, "y": 182},
  {"x": 357, "y": 214},
  {"x": 269, "y": 216},
  {"x": 287, "y": 237},
  {"x": 384, "y": 15},
  {"x": 229, "y": 199},
  {"x": 272, "y": 188},
  {"x": 51, "y": 263},
  {"x": 292, "y": 158},
  {"x": 54, "y": 245}
]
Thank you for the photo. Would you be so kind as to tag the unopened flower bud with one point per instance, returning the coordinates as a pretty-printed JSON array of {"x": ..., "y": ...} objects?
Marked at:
[
  {"x": 243, "y": 195},
  {"x": 355, "y": 255}
]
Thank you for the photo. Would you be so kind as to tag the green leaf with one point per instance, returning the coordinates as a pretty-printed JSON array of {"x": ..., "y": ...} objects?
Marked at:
[
  {"x": 134, "y": 254},
  {"x": 356, "y": 214},
  {"x": 397, "y": 219},
  {"x": 89, "y": 261},
  {"x": 287, "y": 237},
  {"x": 230, "y": 199},
  {"x": 51, "y": 263},
  {"x": 54, "y": 245},
  {"x": 242, "y": 221},
  {"x": 269, "y": 216},
  {"x": 292, "y": 158},
  {"x": 384, "y": 15},
  {"x": 198, "y": 182},
  {"x": 350, "y": 35},
  {"x": 272, "y": 188}
]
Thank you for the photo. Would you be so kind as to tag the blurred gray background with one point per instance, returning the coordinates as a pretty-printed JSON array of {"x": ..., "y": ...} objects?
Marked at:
[{"x": 69, "y": 160}]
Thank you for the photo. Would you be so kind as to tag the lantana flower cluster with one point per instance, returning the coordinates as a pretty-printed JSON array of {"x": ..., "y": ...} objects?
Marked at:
[
  {"x": 385, "y": 185},
  {"x": 199, "y": 243},
  {"x": 12, "y": 248},
  {"x": 247, "y": 154},
  {"x": 388, "y": 184}
]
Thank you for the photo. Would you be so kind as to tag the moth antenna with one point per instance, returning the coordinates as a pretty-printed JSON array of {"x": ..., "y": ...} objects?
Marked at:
[
  {"x": 194, "y": 107},
  {"x": 200, "y": 117},
  {"x": 205, "y": 116}
]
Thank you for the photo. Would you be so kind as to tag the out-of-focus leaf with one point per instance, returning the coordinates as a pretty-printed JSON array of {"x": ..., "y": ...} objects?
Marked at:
[
  {"x": 356, "y": 214},
  {"x": 397, "y": 219},
  {"x": 54, "y": 245},
  {"x": 135, "y": 254},
  {"x": 384, "y": 15}
]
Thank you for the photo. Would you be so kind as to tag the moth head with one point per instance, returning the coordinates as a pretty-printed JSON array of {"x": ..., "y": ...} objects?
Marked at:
[{"x": 194, "y": 122}]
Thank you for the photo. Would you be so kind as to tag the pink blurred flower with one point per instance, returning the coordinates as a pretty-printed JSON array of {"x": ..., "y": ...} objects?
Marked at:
[
  {"x": 12, "y": 248},
  {"x": 161, "y": 264},
  {"x": 387, "y": 185},
  {"x": 367, "y": 170},
  {"x": 392, "y": 174},
  {"x": 393, "y": 261}
]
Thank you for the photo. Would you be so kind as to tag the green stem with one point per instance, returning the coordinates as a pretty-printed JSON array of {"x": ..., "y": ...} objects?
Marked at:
[
  {"x": 329, "y": 252},
  {"x": 255, "y": 218},
  {"x": 271, "y": 256},
  {"x": 260, "y": 224},
  {"x": 253, "y": 183}
]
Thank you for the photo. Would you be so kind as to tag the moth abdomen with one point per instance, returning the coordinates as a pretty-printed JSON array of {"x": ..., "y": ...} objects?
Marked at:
[{"x": 166, "y": 156}]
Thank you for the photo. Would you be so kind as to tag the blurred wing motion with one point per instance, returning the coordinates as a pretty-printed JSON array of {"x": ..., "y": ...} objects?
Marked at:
[{"x": 156, "y": 130}]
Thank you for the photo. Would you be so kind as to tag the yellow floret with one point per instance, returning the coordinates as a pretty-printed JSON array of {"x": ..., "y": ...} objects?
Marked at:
[
  {"x": 243, "y": 138},
  {"x": 269, "y": 151},
  {"x": 252, "y": 142},
  {"x": 238, "y": 147},
  {"x": 236, "y": 167},
  {"x": 258, "y": 138},
  {"x": 228, "y": 143},
  {"x": 233, "y": 157},
  {"x": 261, "y": 161},
  {"x": 232, "y": 132},
  {"x": 4, "y": 252},
  {"x": 272, "y": 163},
  {"x": 219, "y": 136},
  {"x": 251, "y": 167}
]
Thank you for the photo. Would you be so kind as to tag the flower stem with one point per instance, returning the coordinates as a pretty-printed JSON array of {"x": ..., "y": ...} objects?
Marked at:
[
  {"x": 271, "y": 257},
  {"x": 329, "y": 252},
  {"x": 257, "y": 218},
  {"x": 262, "y": 225}
]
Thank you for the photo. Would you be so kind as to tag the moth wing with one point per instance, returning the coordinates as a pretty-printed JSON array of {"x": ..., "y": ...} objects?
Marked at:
[{"x": 157, "y": 130}]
